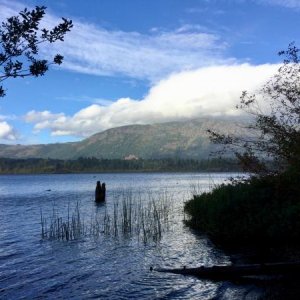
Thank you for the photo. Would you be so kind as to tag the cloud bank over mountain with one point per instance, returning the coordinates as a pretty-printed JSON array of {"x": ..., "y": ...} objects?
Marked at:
[{"x": 210, "y": 91}]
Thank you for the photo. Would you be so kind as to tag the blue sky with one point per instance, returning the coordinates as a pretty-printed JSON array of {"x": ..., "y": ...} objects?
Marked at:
[{"x": 142, "y": 62}]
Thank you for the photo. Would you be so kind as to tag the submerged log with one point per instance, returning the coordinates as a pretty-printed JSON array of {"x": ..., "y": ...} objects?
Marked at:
[
  {"x": 100, "y": 192},
  {"x": 236, "y": 271}
]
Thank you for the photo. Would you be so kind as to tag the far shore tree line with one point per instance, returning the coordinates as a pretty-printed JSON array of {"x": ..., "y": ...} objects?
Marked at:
[{"x": 94, "y": 165}]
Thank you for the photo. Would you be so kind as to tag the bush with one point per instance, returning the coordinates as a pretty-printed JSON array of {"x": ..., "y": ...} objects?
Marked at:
[{"x": 260, "y": 210}]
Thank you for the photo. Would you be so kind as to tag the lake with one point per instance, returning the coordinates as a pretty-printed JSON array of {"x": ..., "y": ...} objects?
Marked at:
[{"x": 105, "y": 266}]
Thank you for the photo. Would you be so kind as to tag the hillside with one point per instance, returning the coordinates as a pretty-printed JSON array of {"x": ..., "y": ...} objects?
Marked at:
[{"x": 186, "y": 139}]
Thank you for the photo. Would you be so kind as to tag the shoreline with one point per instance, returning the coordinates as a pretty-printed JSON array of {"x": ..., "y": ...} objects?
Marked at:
[{"x": 127, "y": 172}]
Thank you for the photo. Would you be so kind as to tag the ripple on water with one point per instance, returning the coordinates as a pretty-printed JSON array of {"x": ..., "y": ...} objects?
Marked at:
[{"x": 104, "y": 268}]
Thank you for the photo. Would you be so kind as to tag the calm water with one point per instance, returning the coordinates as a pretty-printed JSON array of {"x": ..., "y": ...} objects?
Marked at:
[{"x": 106, "y": 267}]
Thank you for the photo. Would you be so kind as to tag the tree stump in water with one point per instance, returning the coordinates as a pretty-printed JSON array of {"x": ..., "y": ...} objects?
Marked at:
[{"x": 100, "y": 192}]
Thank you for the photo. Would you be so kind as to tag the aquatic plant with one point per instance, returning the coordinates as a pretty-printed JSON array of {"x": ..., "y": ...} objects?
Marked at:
[
  {"x": 70, "y": 228},
  {"x": 132, "y": 216},
  {"x": 129, "y": 216}
]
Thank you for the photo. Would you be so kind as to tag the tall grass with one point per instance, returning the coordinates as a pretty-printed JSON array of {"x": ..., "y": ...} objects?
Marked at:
[
  {"x": 129, "y": 216},
  {"x": 59, "y": 228}
]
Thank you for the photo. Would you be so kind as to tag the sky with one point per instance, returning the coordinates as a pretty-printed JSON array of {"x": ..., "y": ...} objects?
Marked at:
[{"x": 144, "y": 62}]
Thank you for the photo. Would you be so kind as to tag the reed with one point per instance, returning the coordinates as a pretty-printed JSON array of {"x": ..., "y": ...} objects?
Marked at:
[
  {"x": 129, "y": 216},
  {"x": 68, "y": 229},
  {"x": 132, "y": 216}
]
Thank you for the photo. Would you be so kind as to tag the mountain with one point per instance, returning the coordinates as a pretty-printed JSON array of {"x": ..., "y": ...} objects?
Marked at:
[{"x": 185, "y": 139}]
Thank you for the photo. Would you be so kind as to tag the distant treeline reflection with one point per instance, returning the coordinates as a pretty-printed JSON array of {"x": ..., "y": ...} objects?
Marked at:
[{"x": 89, "y": 165}]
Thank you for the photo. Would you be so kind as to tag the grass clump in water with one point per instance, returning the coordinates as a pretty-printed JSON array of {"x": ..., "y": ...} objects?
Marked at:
[
  {"x": 129, "y": 217},
  {"x": 66, "y": 229}
]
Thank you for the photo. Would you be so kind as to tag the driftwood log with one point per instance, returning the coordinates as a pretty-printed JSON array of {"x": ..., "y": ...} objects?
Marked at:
[
  {"x": 100, "y": 192},
  {"x": 237, "y": 271}
]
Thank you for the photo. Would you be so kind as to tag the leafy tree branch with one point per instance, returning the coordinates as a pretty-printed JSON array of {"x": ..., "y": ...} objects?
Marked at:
[
  {"x": 275, "y": 135},
  {"x": 20, "y": 37}
]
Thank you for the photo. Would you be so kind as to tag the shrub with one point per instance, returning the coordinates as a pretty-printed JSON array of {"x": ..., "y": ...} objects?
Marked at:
[{"x": 260, "y": 210}]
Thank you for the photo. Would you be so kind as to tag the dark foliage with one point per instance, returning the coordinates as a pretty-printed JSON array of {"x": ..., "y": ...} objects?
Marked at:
[
  {"x": 20, "y": 37},
  {"x": 260, "y": 211}
]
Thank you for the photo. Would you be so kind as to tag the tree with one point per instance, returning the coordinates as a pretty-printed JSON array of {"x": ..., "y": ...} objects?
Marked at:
[
  {"x": 273, "y": 142},
  {"x": 20, "y": 37}
]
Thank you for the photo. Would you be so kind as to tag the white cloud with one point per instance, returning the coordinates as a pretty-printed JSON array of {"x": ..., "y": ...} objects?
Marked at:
[
  {"x": 98, "y": 51},
  {"x": 9, "y": 8},
  {"x": 7, "y": 132},
  {"x": 209, "y": 91},
  {"x": 41, "y": 116},
  {"x": 7, "y": 117},
  {"x": 285, "y": 3},
  {"x": 94, "y": 50}
]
